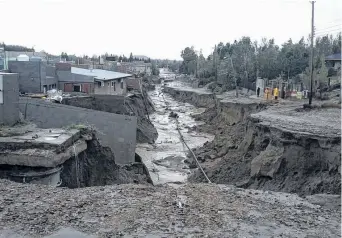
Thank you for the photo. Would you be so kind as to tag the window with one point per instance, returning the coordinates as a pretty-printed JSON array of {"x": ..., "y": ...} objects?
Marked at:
[
  {"x": 108, "y": 84},
  {"x": 121, "y": 84},
  {"x": 112, "y": 83},
  {"x": 77, "y": 88},
  {"x": 99, "y": 84},
  {"x": 114, "y": 86}
]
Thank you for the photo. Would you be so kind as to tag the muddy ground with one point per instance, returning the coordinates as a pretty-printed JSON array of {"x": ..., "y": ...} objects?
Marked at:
[
  {"x": 192, "y": 210},
  {"x": 283, "y": 148}
]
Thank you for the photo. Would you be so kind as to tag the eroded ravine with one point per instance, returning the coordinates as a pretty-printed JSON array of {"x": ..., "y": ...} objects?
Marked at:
[{"x": 165, "y": 158}]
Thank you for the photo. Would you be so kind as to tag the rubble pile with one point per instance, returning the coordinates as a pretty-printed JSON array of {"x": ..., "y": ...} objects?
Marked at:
[{"x": 164, "y": 211}]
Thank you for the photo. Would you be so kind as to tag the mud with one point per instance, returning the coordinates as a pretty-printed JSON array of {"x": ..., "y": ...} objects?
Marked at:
[
  {"x": 278, "y": 149},
  {"x": 192, "y": 210}
]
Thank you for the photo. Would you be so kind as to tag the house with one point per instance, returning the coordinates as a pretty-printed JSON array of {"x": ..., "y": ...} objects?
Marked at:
[
  {"x": 105, "y": 82},
  {"x": 32, "y": 76},
  {"x": 333, "y": 61}
]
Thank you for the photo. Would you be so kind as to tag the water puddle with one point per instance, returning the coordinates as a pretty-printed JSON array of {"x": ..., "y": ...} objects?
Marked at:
[{"x": 165, "y": 159}]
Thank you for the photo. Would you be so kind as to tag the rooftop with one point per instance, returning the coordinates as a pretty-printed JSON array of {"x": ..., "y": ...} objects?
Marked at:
[
  {"x": 99, "y": 73},
  {"x": 334, "y": 57}
]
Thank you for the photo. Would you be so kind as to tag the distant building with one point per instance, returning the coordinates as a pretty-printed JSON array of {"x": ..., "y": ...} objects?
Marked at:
[
  {"x": 137, "y": 67},
  {"x": 32, "y": 76},
  {"x": 333, "y": 61},
  {"x": 2, "y": 63}
]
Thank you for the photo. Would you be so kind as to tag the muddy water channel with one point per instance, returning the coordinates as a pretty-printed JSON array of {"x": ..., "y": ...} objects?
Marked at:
[{"x": 165, "y": 158}]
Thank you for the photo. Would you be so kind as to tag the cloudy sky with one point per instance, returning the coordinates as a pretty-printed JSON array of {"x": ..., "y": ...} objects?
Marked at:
[{"x": 158, "y": 28}]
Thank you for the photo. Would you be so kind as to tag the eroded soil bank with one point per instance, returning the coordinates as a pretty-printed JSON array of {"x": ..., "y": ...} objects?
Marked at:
[
  {"x": 267, "y": 146},
  {"x": 96, "y": 167}
]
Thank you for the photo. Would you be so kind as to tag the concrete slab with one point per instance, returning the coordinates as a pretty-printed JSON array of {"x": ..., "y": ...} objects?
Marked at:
[
  {"x": 48, "y": 138},
  {"x": 41, "y": 157},
  {"x": 39, "y": 147}
]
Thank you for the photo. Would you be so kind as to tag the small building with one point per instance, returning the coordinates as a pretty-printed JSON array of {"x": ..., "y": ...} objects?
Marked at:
[
  {"x": 333, "y": 61},
  {"x": 9, "y": 99},
  {"x": 105, "y": 82}
]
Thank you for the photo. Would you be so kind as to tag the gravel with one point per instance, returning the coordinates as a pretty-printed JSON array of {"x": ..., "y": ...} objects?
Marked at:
[{"x": 190, "y": 210}]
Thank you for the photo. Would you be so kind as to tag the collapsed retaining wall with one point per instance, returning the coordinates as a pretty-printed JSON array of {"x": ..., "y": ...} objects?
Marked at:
[
  {"x": 96, "y": 167},
  {"x": 134, "y": 105},
  {"x": 118, "y": 132},
  {"x": 251, "y": 152}
]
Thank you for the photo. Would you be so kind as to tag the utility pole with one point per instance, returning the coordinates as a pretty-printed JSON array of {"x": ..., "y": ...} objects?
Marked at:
[
  {"x": 215, "y": 63},
  {"x": 312, "y": 49},
  {"x": 235, "y": 80}
]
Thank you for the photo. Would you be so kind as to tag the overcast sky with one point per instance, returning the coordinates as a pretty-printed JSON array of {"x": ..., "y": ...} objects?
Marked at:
[{"x": 158, "y": 28}]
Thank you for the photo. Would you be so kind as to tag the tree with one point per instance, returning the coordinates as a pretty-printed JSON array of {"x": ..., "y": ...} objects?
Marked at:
[
  {"x": 189, "y": 60},
  {"x": 65, "y": 56},
  {"x": 322, "y": 77},
  {"x": 130, "y": 57},
  {"x": 154, "y": 68}
]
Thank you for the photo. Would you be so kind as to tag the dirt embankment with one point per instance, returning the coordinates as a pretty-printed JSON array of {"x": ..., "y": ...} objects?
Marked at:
[
  {"x": 137, "y": 105},
  {"x": 96, "y": 167},
  {"x": 260, "y": 152}
]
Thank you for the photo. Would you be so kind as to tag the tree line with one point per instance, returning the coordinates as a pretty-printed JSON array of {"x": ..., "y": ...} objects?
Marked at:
[
  {"x": 16, "y": 48},
  {"x": 242, "y": 61}
]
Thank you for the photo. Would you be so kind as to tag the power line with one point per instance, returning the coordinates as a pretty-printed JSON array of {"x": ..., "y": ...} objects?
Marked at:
[
  {"x": 328, "y": 33},
  {"x": 324, "y": 29}
]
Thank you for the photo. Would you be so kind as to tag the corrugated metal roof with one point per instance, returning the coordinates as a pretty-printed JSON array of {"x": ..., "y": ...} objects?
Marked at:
[{"x": 99, "y": 73}]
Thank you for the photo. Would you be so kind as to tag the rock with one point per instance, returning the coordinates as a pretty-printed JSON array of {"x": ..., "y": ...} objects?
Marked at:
[{"x": 173, "y": 115}]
